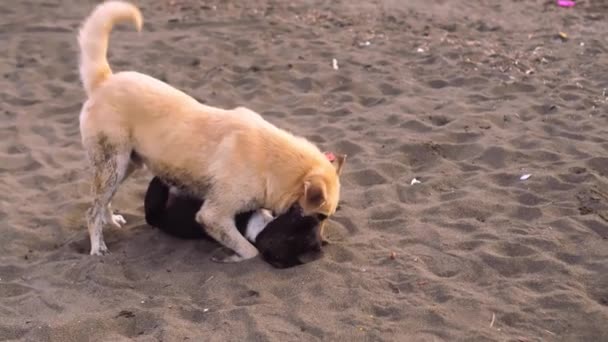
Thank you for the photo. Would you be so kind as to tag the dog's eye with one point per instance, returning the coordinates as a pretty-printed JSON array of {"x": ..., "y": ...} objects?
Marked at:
[{"x": 321, "y": 217}]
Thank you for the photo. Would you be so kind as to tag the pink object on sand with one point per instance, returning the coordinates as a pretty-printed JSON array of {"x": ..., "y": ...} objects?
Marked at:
[
  {"x": 330, "y": 156},
  {"x": 565, "y": 3}
]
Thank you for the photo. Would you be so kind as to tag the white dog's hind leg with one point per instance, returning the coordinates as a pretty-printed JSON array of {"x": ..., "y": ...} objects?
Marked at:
[
  {"x": 118, "y": 220},
  {"x": 115, "y": 219},
  {"x": 110, "y": 168},
  {"x": 95, "y": 226}
]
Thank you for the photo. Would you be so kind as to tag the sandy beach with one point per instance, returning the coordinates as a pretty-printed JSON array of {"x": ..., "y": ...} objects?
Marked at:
[{"x": 501, "y": 119}]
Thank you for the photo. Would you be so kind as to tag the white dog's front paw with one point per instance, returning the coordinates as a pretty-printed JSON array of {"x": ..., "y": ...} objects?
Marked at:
[{"x": 226, "y": 256}]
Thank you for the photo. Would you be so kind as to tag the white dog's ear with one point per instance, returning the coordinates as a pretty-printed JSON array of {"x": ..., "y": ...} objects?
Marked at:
[
  {"x": 314, "y": 194},
  {"x": 338, "y": 163}
]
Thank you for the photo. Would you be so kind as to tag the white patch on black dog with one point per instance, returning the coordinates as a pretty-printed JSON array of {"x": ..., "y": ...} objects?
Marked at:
[{"x": 257, "y": 223}]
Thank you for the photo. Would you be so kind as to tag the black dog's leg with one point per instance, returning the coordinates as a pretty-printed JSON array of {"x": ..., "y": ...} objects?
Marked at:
[
  {"x": 155, "y": 202},
  {"x": 173, "y": 214}
]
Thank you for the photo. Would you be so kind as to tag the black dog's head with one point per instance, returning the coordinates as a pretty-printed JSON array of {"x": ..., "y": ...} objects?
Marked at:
[{"x": 291, "y": 239}]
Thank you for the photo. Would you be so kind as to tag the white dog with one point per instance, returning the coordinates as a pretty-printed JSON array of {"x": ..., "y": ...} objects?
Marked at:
[{"x": 234, "y": 159}]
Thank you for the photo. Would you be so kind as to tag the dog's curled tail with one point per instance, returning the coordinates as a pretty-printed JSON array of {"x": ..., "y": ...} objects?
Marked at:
[{"x": 93, "y": 40}]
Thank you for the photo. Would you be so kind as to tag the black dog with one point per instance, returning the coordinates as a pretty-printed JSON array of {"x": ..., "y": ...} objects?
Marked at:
[{"x": 285, "y": 241}]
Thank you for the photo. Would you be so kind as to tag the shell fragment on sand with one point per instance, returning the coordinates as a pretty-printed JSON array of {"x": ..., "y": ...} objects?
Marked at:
[
  {"x": 334, "y": 64},
  {"x": 415, "y": 181},
  {"x": 526, "y": 176}
]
